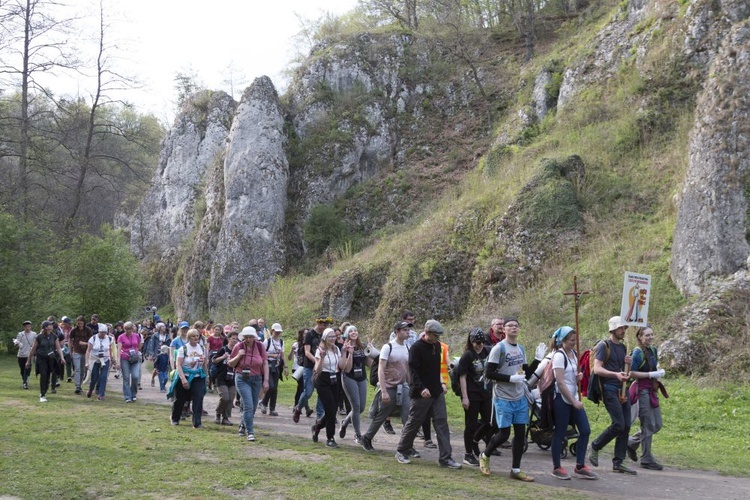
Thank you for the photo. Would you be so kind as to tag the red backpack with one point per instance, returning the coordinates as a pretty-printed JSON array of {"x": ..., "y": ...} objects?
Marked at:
[{"x": 584, "y": 366}]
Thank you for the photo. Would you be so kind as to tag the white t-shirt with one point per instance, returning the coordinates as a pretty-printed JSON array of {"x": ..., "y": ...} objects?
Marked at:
[
  {"x": 570, "y": 373},
  {"x": 396, "y": 359},
  {"x": 330, "y": 360},
  {"x": 99, "y": 349},
  {"x": 194, "y": 353}
]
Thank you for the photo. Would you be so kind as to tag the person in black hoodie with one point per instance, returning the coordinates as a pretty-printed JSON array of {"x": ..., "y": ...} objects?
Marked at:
[{"x": 427, "y": 394}]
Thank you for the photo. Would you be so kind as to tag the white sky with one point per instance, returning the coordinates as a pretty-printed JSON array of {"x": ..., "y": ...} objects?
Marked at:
[{"x": 158, "y": 38}]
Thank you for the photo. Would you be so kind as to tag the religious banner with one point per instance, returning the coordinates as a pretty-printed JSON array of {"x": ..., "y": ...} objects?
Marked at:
[{"x": 636, "y": 293}]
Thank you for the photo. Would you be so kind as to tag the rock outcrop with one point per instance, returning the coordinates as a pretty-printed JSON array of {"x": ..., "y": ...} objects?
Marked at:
[{"x": 712, "y": 231}]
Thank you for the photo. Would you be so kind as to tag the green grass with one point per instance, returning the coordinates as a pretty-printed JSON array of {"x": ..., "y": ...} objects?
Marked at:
[{"x": 78, "y": 448}]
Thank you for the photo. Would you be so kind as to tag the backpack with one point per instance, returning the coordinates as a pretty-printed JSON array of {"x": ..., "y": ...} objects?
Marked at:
[
  {"x": 455, "y": 377},
  {"x": 374, "y": 379},
  {"x": 593, "y": 385},
  {"x": 546, "y": 388}
]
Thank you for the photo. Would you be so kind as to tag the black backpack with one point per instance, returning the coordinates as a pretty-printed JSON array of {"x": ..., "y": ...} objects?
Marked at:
[
  {"x": 374, "y": 368},
  {"x": 455, "y": 377}
]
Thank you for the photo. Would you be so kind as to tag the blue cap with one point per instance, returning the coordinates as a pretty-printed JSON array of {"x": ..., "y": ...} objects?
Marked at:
[
  {"x": 156, "y": 317},
  {"x": 183, "y": 324}
]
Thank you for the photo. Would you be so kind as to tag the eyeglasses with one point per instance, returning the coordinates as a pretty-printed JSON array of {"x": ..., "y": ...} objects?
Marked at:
[{"x": 512, "y": 326}]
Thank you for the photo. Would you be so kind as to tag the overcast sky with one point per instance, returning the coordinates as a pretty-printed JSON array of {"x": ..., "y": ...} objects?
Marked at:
[{"x": 158, "y": 38}]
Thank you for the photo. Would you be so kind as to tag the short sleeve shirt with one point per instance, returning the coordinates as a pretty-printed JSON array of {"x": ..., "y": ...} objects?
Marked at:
[
  {"x": 396, "y": 359},
  {"x": 472, "y": 365},
  {"x": 569, "y": 364},
  {"x": 100, "y": 348},
  {"x": 510, "y": 360},
  {"x": 615, "y": 363}
]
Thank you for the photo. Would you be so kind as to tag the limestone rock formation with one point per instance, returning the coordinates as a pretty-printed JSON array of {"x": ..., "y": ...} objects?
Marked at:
[
  {"x": 711, "y": 234},
  {"x": 250, "y": 247}
]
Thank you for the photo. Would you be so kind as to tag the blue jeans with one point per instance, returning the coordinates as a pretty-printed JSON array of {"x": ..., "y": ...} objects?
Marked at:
[
  {"x": 163, "y": 378},
  {"x": 249, "y": 391},
  {"x": 618, "y": 429},
  {"x": 565, "y": 414},
  {"x": 99, "y": 373},
  {"x": 78, "y": 367},
  {"x": 307, "y": 380},
  {"x": 131, "y": 376}
]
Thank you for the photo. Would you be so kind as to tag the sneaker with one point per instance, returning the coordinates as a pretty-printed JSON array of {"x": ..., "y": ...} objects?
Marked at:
[
  {"x": 199, "y": 426},
  {"x": 295, "y": 415},
  {"x": 136, "y": 399},
  {"x": 623, "y": 469},
  {"x": 241, "y": 431},
  {"x": 358, "y": 440},
  {"x": 367, "y": 444},
  {"x": 413, "y": 453},
  {"x": 388, "y": 427},
  {"x": 420, "y": 434},
  {"x": 100, "y": 398},
  {"x": 521, "y": 476},
  {"x": 139, "y": 386},
  {"x": 652, "y": 466},
  {"x": 217, "y": 420},
  {"x": 251, "y": 437},
  {"x": 401, "y": 458},
  {"x": 342, "y": 411},
  {"x": 70, "y": 379},
  {"x": 273, "y": 413},
  {"x": 25, "y": 385},
  {"x": 470, "y": 459},
  {"x": 315, "y": 432},
  {"x": 584, "y": 473},
  {"x": 484, "y": 464},
  {"x": 560, "y": 473},
  {"x": 632, "y": 454},
  {"x": 128, "y": 400},
  {"x": 429, "y": 444},
  {"x": 263, "y": 408},
  {"x": 309, "y": 412},
  {"x": 78, "y": 390},
  {"x": 226, "y": 421},
  {"x": 174, "y": 423},
  {"x": 331, "y": 443},
  {"x": 89, "y": 393},
  {"x": 162, "y": 390},
  {"x": 342, "y": 431},
  {"x": 57, "y": 384},
  {"x": 451, "y": 464},
  {"x": 593, "y": 456},
  {"x": 42, "y": 399}
]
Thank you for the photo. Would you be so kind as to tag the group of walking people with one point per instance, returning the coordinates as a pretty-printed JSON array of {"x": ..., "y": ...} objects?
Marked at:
[{"x": 410, "y": 372}]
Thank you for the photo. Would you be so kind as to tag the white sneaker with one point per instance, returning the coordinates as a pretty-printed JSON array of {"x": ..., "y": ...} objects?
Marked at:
[
  {"x": 251, "y": 437},
  {"x": 42, "y": 399}
]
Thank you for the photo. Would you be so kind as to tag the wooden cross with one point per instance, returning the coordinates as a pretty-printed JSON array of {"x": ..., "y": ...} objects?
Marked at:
[{"x": 576, "y": 293}]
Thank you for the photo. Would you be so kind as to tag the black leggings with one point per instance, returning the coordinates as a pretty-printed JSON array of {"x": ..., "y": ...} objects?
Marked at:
[
  {"x": 473, "y": 430},
  {"x": 273, "y": 389},
  {"x": 327, "y": 393},
  {"x": 519, "y": 439}
]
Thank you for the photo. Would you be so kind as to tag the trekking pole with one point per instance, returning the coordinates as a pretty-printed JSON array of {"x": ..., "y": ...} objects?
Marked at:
[{"x": 576, "y": 298}]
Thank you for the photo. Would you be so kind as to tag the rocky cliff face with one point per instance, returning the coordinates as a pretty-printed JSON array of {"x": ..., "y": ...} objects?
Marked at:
[{"x": 711, "y": 234}]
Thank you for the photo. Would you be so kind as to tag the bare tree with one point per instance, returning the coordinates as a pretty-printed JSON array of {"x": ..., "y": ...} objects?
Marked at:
[
  {"x": 35, "y": 43},
  {"x": 403, "y": 11}
]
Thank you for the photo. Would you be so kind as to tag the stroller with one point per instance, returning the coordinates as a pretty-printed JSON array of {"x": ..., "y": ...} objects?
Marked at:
[{"x": 541, "y": 427}]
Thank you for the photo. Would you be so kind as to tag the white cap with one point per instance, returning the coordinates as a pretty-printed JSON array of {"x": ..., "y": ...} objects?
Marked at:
[{"x": 276, "y": 327}]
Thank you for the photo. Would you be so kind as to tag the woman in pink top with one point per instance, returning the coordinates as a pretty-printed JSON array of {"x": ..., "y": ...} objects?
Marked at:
[
  {"x": 129, "y": 345},
  {"x": 250, "y": 365}
]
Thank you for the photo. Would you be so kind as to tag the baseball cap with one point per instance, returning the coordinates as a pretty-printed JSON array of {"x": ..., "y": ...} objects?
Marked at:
[
  {"x": 183, "y": 324},
  {"x": 27, "y": 322},
  {"x": 66, "y": 319},
  {"x": 276, "y": 327},
  {"x": 45, "y": 324},
  {"x": 400, "y": 325},
  {"x": 433, "y": 326}
]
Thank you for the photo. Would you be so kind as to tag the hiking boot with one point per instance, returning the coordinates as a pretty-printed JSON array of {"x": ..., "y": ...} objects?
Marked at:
[
  {"x": 623, "y": 469},
  {"x": 584, "y": 473},
  {"x": 402, "y": 458},
  {"x": 429, "y": 444},
  {"x": 367, "y": 444},
  {"x": 295, "y": 415},
  {"x": 470, "y": 459},
  {"x": 315, "y": 431},
  {"x": 450, "y": 464},
  {"x": 521, "y": 476},
  {"x": 484, "y": 464},
  {"x": 413, "y": 454},
  {"x": 632, "y": 454},
  {"x": 331, "y": 443},
  {"x": 388, "y": 427},
  {"x": 652, "y": 466},
  {"x": 560, "y": 473},
  {"x": 593, "y": 456}
]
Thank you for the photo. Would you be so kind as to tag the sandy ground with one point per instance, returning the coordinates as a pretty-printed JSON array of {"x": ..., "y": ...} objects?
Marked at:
[{"x": 669, "y": 483}]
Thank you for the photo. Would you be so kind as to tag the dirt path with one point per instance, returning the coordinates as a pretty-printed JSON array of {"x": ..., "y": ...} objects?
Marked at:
[{"x": 666, "y": 484}]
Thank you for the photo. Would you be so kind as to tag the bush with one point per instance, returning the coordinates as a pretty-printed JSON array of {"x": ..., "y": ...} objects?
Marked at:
[{"x": 324, "y": 228}]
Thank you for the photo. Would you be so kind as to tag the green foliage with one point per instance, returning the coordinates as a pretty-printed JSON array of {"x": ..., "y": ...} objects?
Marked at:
[
  {"x": 103, "y": 276},
  {"x": 324, "y": 228}
]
